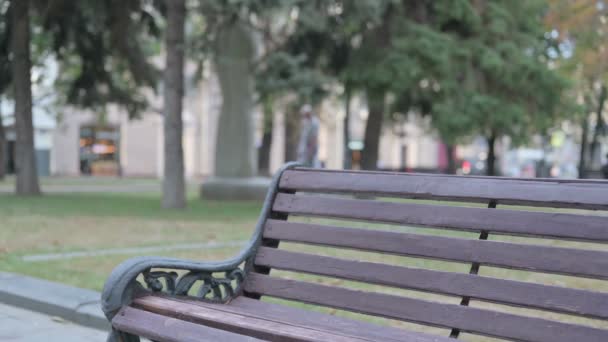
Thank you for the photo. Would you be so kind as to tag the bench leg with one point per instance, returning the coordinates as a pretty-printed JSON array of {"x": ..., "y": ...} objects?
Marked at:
[{"x": 119, "y": 336}]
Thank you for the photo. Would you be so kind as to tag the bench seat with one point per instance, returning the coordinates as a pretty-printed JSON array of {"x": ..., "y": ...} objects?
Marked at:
[
  {"x": 470, "y": 258},
  {"x": 255, "y": 319}
]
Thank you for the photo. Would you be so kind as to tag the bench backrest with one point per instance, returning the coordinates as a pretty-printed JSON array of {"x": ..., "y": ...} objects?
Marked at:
[{"x": 468, "y": 265}]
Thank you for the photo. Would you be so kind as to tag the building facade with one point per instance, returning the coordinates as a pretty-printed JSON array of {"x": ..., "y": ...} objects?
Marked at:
[{"x": 84, "y": 142}]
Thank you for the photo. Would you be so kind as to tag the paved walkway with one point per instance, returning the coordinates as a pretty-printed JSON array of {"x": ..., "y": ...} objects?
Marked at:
[
  {"x": 18, "y": 325},
  {"x": 84, "y": 188},
  {"x": 94, "y": 184},
  {"x": 132, "y": 250}
]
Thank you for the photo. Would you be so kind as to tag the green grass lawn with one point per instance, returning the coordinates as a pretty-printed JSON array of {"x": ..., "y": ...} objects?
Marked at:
[
  {"x": 56, "y": 223},
  {"x": 86, "y": 222}
]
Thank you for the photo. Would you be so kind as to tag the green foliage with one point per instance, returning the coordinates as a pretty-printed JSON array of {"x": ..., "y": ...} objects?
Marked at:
[
  {"x": 5, "y": 65},
  {"x": 477, "y": 67},
  {"x": 101, "y": 50},
  {"x": 104, "y": 47},
  {"x": 283, "y": 74},
  {"x": 318, "y": 48},
  {"x": 508, "y": 87},
  {"x": 580, "y": 29}
]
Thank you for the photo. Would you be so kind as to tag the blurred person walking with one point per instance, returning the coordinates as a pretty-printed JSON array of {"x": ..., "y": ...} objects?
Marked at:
[
  {"x": 309, "y": 136},
  {"x": 605, "y": 168}
]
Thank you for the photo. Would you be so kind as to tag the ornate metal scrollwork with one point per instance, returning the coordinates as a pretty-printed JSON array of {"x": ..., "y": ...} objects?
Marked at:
[{"x": 211, "y": 289}]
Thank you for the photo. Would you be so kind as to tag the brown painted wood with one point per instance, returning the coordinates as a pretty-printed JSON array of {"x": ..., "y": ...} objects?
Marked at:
[
  {"x": 463, "y": 177},
  {"x": 275, "y": 322},
  {"x": 167, "y": 329},
  {"x": 569, "y": 261},
  {"x": 243, "y": 324},
  {"x": 474, "y": 270},
  {"x": 588, "y": 195},
  {"x": 509, "y": 222},
  {"x": 467, "y": 319},
  {"x": 274, "y": 215},
  {"x": 317, "y": 320},
  {"x": 247, "y": 319},
  {"x": 553, "y": 298}
]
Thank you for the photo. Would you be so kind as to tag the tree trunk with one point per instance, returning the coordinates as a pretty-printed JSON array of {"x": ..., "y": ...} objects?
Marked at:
[
  {"x": 292, "y": 134},
  {"x": 2, "y": 147},
  {"x": 491, "y": 163},
  {"x": 450, "y": 149},
  {"x": 27, "y": 174},
  {"x": 235, "y": 51},
  {"x": 347, "y": 163},
  {"x": 373, "y": 130},
  {"x": 582, "y": 165},
  {"x": 264, "y": 152},
  {"x": 173, "y": 181},
  {"x": 595, "y": 158}
]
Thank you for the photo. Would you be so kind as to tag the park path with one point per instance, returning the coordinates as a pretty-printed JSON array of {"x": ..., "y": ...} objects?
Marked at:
[
  {"x": 93, "y": 188},
  {"x": 132, "y": 250},
  {"x": 19, "y": 325}
]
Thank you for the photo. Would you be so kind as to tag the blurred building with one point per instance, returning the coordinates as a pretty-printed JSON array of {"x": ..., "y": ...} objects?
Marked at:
[
  {"x": 44, "y": 126},
  {"x": 112, "y": 144},
  {"x": 83, "y": 142}
]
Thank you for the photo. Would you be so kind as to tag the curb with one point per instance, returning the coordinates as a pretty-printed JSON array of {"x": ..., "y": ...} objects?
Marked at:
[{"x": 74, "y": 304}]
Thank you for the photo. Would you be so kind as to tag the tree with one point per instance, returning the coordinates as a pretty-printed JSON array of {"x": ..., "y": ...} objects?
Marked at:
[
  {"x": 5, "y": 75},
  {"x": 581, "y": 28},
  {"x": 226, "y": 33},
  {"x": 102, "y": 48},
  {"x": 373, "y": 128},
  {"x": 317, "y": 54},
  {"x": 509, "y": 87},
  {"x": 469, "y": 65},
  {"x": 100, "y": 62},
  {"x": 267, "y": 123},
  {"x": 490, "y": 71},
  {"x": 234, "y": 55},
  {"x": 2, "y": 147},
  {"x": 375, "y": 83},
  {"x": 173, "y": 181},
  {"x": 27, "y": 176},
  {"x": 283, "y": 76}
]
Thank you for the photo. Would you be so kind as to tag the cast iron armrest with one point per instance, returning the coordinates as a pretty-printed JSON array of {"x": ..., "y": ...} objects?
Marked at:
[{"x": 122, "y": 283}]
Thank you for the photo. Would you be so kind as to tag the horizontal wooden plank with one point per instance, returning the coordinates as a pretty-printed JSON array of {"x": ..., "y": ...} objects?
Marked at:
[
  {"x": 167, "y": 329},
  {"x": 276, "y": 322},
  {"x": 558, "y": 299},
  {"x": 588, "y": 195},
  {"x": 243, "y": 324},
  {"x": 486, "y": 322},
  {"x": 576, "y": 262},
  {"x": 463, "y": 177},
  {"x": 510, "y": 222}
]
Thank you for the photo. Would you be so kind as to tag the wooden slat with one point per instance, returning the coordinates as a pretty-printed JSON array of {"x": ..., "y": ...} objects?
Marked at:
[
  {"x": 558, "y": 299},
  {"x": 463, "y": 177},
  {"x": 576, "y": 262},
  {"x": 505, "y": 191},
  {"x": 275, "y": 322},
  {"x": 468, "y": 319},
  {"x": 511, "y": 222},
  {"x": 248, "y": 325},
  {"x": 167, "y": 329}
]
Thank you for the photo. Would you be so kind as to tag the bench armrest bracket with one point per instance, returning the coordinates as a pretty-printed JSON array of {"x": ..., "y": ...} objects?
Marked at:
[
  {"x": 159, "y": 273},
  {"x": 213, "y": 289}
]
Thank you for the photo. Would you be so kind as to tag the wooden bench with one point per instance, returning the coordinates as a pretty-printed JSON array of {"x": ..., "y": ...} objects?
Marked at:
[{"x": 510, "y": 259}]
